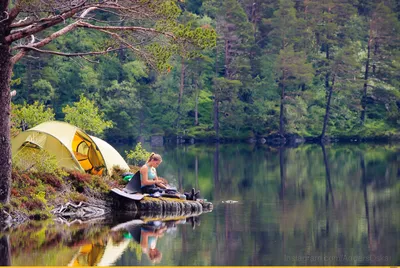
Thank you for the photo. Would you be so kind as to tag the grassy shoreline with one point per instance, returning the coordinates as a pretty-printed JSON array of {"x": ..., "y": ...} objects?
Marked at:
[{"x": 35, "y": 194}]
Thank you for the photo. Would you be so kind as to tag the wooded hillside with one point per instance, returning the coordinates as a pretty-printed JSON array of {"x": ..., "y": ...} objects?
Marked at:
[{"x": 309, "y": 67}]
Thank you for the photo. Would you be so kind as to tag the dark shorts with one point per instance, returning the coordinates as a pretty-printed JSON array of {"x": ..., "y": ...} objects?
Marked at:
[{"x": 150, "y": 189}]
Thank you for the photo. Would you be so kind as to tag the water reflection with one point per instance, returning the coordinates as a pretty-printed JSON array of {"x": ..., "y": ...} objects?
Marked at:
[
  {"x": 311, "y": 205},
  {"x": 135, "y": 234},
  {"x": 90, "y": 244}
]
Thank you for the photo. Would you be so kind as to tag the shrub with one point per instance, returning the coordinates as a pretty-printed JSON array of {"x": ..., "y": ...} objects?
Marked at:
[
  {"x": 77, "y": 197},
  {"x": 79, "y": 180},
  {"x": 33, "y": 204},
  {"x": 85, "y": 114},
  {"x": 202, "y": 132},
  {"x": 52, "y": 180},
  {"x": 31, "y": 114},
  {"x": 37, "y": 160},
  {"x": 138, "y": 156}
]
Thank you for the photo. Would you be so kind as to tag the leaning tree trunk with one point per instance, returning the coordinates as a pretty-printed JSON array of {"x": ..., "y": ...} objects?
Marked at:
[
  {"x": 327, "y": 109},
  {"x": 366, "y": 76},
  {"x": 5, "y": 111},
  {"x": 328, "y": 176},
  {"x": 281, "y": 108}
]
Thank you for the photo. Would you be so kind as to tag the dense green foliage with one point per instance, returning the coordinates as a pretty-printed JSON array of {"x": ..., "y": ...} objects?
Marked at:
[
  {"x": 306, "y": 67},
  {"x": 85, "y": 114},
  {"x": 28, "y": 116},
  {"x": 138, "y": 156}
]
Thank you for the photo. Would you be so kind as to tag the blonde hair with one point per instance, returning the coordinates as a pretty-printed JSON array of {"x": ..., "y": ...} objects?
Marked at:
[
  {"x": 155, "y": 157},
  {"x": 155, "y": 255}
]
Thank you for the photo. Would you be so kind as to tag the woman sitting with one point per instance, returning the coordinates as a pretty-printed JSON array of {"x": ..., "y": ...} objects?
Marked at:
[{"x": 150, "y": 182}]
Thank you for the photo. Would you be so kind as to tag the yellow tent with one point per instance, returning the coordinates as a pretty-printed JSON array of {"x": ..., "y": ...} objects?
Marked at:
[
  {"x": 111, "y": 156},
  {"x": 73, "y": 148}
]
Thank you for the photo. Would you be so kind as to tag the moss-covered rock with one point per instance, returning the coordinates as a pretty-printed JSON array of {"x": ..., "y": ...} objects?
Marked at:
[{"x": 161, "y": 206}]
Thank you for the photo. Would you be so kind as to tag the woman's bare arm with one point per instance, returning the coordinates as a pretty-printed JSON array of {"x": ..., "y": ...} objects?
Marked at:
[{"x": 145, "y": 176}]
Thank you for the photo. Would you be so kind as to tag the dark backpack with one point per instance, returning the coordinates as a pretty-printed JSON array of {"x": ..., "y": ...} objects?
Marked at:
[{"x": 134, "y": 185}]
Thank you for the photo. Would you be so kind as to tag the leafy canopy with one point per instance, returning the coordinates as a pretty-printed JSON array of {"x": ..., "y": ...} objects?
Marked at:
[
  {"x": 138, "y": 156},
  {"x": 29, "y": 115},
  {"x": 86, "y": 115}
]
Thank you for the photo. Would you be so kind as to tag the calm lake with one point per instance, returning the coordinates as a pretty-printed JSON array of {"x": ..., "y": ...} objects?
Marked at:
[{"x": 311, "y": 205}]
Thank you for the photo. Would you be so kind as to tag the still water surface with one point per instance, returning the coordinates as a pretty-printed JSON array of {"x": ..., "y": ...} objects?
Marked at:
[{"x": 311, "y": 205}]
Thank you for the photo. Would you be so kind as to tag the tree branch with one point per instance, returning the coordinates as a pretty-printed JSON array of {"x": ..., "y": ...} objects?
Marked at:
[
  {"x": 44, "y": 42},
  {"x": 7, "y": 16},
  {"x": 11, "y": 15},
  {"x": 69, "y": 54},
  {"x": 42, "y": 25},
  {"x": 121, "y": 40},
  {"x": 51, "y": 37},
  {"x": 127, "y": 44},
  {"x": 125, "y": 28}
]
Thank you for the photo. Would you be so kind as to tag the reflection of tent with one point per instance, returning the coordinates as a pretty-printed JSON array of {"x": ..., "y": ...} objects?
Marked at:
[
  {"x": 73, "y": 148},
  {"x": 113, "y": 252},
  {"x": 100, "y": 255},
  {"x": 107, "y": 255},
  {"x": 88, "y": 255}
]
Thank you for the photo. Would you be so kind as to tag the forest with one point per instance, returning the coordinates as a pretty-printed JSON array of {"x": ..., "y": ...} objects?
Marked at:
[{"x": 311, "y": 68}]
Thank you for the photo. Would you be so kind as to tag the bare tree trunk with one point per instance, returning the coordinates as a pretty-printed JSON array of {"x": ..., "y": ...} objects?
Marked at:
[
  {"x": 327, "y": 75},
  {"x": 253, "y": 18},
  {"x": 216, "y": 108},
  {"x": 195, "y": 82},
  {"x": 281, "y": 109},
  {"x": 376, "y": 46},
  {"x": 366, "y": 76},
  {"x": 196, "y": 108},
  {"x": 5, "y": 109},
  {"x": 327, "y": 109},
  {"x": 181, "y": 87}
]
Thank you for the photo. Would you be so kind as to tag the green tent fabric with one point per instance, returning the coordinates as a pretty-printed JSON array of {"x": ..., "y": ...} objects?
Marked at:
[{"x": 73, "y": 148}]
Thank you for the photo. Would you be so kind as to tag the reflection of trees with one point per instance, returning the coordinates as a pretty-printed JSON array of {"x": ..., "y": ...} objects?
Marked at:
[
  {"x": 282, "y": 173},
  {"x": 373, "y": 242},
  {"x": 196, "y": 171},
  {"x": 318, "y": 207},
  {"x": 299, "y": 201},
  {"x": 5, "y": 251},
  {"x": 328, "y": 178},
  {"x": 216, "y": 172},
  {"x": 180, "y": 179}
]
